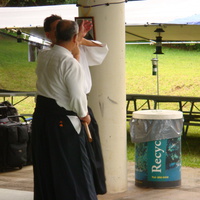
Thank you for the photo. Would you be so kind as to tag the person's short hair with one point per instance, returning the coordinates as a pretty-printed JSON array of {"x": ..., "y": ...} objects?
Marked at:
[
  {"x": 49, "y": 20},
  {"x": 66, "y": 29}
]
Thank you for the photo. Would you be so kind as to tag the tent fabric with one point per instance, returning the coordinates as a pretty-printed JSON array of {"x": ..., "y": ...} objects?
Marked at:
[
  {"x": 180, "y": 19},
  {"x": 30, "y": 19},
  {"x": 136, "y": 13},
  {"x": 161, "y": 11},
  {"x": 173, "y": 32}
]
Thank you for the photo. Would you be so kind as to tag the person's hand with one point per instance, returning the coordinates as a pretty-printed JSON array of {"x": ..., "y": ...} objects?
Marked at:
[
  {"x": 86, "y": 119},
  {"x": 84, "y": 28}
]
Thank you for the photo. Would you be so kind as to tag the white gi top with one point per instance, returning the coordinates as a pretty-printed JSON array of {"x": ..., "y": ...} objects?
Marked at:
[
  {"x": 58, "y": 74},
  {"x": 91, "y": 56}
]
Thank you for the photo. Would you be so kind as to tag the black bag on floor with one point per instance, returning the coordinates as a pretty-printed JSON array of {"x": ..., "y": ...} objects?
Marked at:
[
  {"x": 14, "y": 140},
  {"x": 7, "y": 109}
]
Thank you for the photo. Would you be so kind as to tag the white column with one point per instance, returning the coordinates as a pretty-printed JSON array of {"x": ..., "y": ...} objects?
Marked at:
[{"x": 108, "y": 96}]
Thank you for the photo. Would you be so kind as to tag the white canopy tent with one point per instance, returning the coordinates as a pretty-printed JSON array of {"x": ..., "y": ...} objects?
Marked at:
[
  {"x": 33, "y": 16},
  {"x": 160, "y": 11},
  {"x": 172, "y": 32},
  {"x": 141, "y": 18},
  {"x": 177, "y": 18},
  {"x": 30, "y": 19}
]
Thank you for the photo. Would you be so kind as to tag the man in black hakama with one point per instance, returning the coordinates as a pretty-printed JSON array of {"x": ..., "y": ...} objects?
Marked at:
[
  {"x": 62, "y": 169},
  {"x": 91, "y": 53}
]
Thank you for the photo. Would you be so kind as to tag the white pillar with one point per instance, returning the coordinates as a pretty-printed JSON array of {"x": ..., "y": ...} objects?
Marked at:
[{"x": 108, "y": 96}]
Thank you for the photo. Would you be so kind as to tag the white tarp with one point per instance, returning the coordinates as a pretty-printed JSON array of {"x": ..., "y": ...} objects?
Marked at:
[
  {"x": 136, "y": 12},
  {"x": 161, "y": 11},
  {"x": 34, "y": 16},
  {"x": 139, "y": 16},
  {"x": 178, "y": 18},
  {"x": 30, "y": 19}
]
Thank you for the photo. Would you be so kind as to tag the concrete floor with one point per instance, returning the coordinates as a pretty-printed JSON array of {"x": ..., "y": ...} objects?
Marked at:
[{"x": 18, "y": 185}]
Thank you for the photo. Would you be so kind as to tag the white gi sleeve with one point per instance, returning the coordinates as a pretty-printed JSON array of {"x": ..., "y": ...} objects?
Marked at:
[
  {"x": 95, "y": 55},
  {"x": 74, "y": 79}
]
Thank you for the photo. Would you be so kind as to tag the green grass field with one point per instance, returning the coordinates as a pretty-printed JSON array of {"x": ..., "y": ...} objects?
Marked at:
[
  {"x": 179, "y": 72},
  {"x": 16, "y": 72}
]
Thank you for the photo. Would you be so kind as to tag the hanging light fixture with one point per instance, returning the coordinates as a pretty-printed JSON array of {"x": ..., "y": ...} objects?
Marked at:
[
  {"x": 154, "y": 66},
  {"x": 159, "y": 41}
]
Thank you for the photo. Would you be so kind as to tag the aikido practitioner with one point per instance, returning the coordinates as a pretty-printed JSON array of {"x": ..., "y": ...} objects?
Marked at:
[
  {"x": 88, "y": 53},
  {"x": 62, "y": 169}
]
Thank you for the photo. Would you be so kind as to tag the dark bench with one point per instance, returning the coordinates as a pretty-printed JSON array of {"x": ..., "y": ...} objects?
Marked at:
[{"x": 191, "y": 117}]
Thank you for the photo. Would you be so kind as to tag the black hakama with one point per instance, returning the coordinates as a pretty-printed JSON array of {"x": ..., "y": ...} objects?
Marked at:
[
  {"x": 96, "y": 157},
  {"x": 62, "y": 169}
]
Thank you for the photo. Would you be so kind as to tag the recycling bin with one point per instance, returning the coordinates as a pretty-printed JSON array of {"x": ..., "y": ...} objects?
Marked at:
[{"x": 157, "y": 138}]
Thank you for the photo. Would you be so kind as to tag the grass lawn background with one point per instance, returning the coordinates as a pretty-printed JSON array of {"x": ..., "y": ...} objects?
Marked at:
[{"x": 179, "y": 74}]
